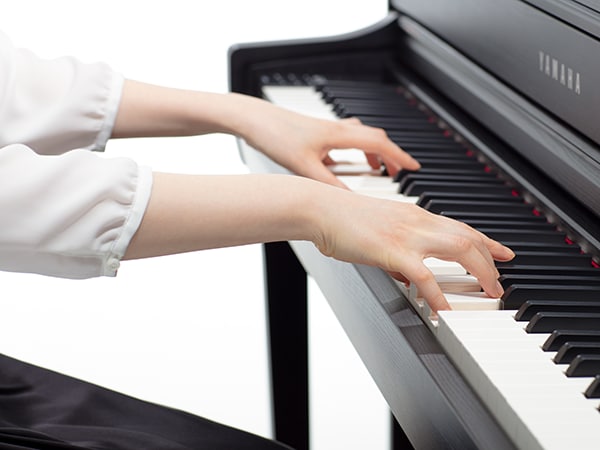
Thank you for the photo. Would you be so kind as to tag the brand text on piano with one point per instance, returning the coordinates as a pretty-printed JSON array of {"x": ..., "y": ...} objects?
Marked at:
[{"x": 558, "y": 71}]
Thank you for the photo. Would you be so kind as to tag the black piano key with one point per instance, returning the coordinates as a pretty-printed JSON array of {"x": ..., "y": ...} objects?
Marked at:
[
  {"x": 362, "y": 93},
  {"x": 435, "y": 142},
  {"x": 489, "y": 194},
  {"x": 506, "y": 280},
  {"x": 409, "y": 178},
  {"x": 531, "y": 307},
  {"x": 584, "y": 366},
  {"x": 550, "y": 237},
  {"x": 383, "y": 115},
  {"x": 408, "y": 138},
  {"x": 523, "y": 225},
  {"x": 517, "y": 294},
  {"x": 560, "y": 336},
  {"x": 382, "y": 93},
  {"x": 547, "y": 259},
  {"x": 449, "y": 178},
  {"x": 540, "y": 269},
  {"x": 478, "y": 215},
  {"x": 569, "y": 350},
  {"x": 498, "y": 208},
  {"x": 439, "y": 136},
  {"x": 454, "y": 164},
  {"x": 439, "y": 145},
  {"x": 546, "y": 322},
  {"x": 440, "y": 172},
  {"x": 446, "y": 153},
  {"x": 593, "y": 390},
  {"x": 294, "y": 80},
  {"x": 500, "y": 190},
  {"x": 430, "y": 134},
  {"x": 400, "y": 125},
  {"x": 346, "y": 107},
  {"x": 393, "y": 104},
  {"x": 537, "y": 247}
]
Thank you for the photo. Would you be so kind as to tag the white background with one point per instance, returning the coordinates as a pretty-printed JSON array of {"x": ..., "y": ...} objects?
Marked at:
[{"x": 187, "y": 331}]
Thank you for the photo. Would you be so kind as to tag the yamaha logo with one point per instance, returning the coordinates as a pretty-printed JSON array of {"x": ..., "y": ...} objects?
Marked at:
[{"x": 559, "y": 72}]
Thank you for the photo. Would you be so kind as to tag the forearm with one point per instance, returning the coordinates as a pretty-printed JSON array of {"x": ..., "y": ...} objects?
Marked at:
[
  {"x": 297, "y": 142},
  {"x": 149, "y": 111},
  {"x": 189, "y": 212}
]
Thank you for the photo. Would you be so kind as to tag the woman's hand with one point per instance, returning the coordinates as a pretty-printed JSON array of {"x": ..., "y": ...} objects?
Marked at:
[
  {"x": 188, "y": 212},
  {"x": 397, "y": 237},
  {"x": 302, "y": 144},
  {"x": 298, "y": 142}
]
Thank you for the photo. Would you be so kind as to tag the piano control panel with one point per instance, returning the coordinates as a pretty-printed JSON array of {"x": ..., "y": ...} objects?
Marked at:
[{"x": 543, "y": 336}]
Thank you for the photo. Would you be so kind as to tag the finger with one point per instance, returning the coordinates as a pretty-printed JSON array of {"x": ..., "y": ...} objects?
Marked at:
[
  {"x": 374, "y": 161},
  {"x": 328, "y": 160},
  {"x": 428, "y": 287},
  {"x": 399, "y": 276},
  {"x": 318, "y": 171},
  {"x": 394, "y": 165},
  {"x": 352, "y": 120},
  {"x": 498, "y": 251},
  {"x": 374, "y": 141},
  {"x": 475, "y": 257}
]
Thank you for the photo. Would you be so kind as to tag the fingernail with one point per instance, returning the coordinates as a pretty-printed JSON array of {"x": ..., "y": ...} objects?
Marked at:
[{"x": 499, "y": 289}]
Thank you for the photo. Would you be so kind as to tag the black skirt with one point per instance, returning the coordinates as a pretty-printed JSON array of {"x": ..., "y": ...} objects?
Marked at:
[{"x": 45, "y": 410}]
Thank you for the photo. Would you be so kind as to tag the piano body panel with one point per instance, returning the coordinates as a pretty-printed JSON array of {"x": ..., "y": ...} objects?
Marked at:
[
  {"x": 363, "y": 51},
  {"x": 542, "y": 142},
  {"x": 581, "y": 13},
  {"x": 511, "y": 39},
  {"x": 425, "y": 392},
  {"x": 507, "y": 39}
]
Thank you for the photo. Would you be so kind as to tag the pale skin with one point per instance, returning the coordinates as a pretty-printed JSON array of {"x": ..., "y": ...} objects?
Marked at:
[{"x": 184, "y": 213}]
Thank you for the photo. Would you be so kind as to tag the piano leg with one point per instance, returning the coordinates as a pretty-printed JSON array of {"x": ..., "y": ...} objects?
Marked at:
[
  {"x": 286, "y": 292},
  {"x": 399, "y": 440},
  {"x": 287, "y": 320}
]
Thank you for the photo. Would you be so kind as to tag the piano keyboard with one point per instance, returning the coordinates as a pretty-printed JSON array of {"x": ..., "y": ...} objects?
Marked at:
[{"x": 533, "y": 356}]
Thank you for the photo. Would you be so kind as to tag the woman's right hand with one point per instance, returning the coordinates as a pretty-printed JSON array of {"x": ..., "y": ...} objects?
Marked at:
[{"x": 397, "y": 237}]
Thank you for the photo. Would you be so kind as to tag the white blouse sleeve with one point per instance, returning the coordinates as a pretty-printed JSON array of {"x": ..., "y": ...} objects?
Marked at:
[
  {"x": 71, "y": 215},
  {"x": 55, "y": 105},
  {"x": 64, "y": 211}
]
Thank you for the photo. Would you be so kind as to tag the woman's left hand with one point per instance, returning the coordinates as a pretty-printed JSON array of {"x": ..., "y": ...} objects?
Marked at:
[{"x": 302, "y": 144}]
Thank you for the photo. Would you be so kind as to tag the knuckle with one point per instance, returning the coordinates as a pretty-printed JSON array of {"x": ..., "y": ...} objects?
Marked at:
[
  {"x": 462, "y": 243},
  {"x": 422, "y": 275},
  {"x": 379, "y": 133}
]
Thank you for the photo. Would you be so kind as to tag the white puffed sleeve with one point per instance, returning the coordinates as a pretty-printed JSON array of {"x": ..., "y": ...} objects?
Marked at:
[
  {"x": 70, "y": 215},
  {"x": 55, "y": 105}
]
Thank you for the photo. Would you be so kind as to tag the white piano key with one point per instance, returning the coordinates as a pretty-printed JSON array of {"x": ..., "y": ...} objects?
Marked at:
[
  {"x": 443, "y": 267},
  {"x": 376, "y": 186},
  {"x": 472, "y": 301},
  {"x": 303, "y": 99},
  {"x": 306, "y": 100},
  {"x": 466, "y": 301},
  {"x": 452, "y": 284},
  {"x": 366, "y": 183},
  {"x": 346, "y": 166},
  {"x": 528, "y": 394},
  {"x": 353, "y": 156}
]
